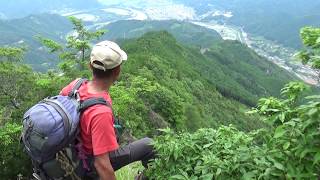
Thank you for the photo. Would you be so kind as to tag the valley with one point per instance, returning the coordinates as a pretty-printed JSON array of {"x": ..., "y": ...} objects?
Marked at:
[
  {"x": 273, "y": 51},
  {"x": 213, "y": 17}
]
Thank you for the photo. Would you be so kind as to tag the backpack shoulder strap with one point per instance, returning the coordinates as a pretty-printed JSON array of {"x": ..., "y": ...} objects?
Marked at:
[
  {"x": 91, "y": 102},
  {"x": 76, "y": 87}
]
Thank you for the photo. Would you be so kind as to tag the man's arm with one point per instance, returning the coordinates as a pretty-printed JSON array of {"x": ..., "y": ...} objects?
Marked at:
[
  {"x": 104, "y": 167},
  {"x": 103, "y": 140}
]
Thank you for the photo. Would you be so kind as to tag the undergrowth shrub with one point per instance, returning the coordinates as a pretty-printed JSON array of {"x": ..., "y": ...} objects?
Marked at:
[
  {"x": 287, "y": 149},
  {"x": 225, "y": 153},
  {"x": 13, "y": 161}
]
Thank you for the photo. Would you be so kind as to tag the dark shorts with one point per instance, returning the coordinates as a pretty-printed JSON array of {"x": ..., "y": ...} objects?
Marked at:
[{"x": 140, "y": 150}]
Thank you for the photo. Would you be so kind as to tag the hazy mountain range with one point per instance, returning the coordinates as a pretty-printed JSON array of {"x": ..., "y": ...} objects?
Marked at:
[
  {"x": 277, "y": 23},
  {"x": 276, "y": 20}
]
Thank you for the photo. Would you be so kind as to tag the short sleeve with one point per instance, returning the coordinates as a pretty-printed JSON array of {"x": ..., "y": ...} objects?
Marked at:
[{"x": 103, "y": 135}]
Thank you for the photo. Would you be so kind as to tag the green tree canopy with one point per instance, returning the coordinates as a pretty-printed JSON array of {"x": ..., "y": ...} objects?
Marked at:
[
  {"x": 311, "y": 54},
  {"x": 14, "y": 54},
  {"x": 74, "y": 55}
]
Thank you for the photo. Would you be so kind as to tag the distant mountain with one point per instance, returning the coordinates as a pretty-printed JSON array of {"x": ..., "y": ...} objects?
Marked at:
[
  {"x": 185, "y": 32},
  {"x": 17, "y": 32},
  {"x": 19, "y": 8},
  {"x": 21, "y": 32}
]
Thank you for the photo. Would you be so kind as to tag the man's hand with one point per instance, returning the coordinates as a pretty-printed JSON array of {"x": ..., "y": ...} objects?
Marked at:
[{"x": 104, "y": 167}]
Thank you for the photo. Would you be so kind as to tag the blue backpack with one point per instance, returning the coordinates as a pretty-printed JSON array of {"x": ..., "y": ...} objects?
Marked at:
[{"x": 50, "y": 129}]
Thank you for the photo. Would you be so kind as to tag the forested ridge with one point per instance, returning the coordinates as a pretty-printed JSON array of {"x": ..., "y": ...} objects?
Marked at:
[
  {"x": 192, "y": 96},
  {"x": 236, "y": 70},
  {"x": 230, "y": 66}
]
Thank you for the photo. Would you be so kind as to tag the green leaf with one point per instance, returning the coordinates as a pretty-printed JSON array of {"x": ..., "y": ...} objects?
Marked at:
[
  {"x": 279, "y": 132},
  {"x": 286, "y": 145},
  {"x": 249, "y": 176},
  {"x": 218, "y": 171},
  {"x": 312, "y": 111},
  {"x": 207, "y": 177},
  {"x": 207, "y": 145},
  {"x": 278, "y": 166},
  {"x": 313, "y": 97},
  {"x": 282, "y": 117},
  {"x": 308, "y": 150},
  {"x": 318, "y": 40},
  {"x": 316, "y": 158},
  {"x": 178, "y": 176}
]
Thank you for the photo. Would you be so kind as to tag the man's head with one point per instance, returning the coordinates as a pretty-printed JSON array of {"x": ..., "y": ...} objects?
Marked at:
[{"x": 105, "y": 60}]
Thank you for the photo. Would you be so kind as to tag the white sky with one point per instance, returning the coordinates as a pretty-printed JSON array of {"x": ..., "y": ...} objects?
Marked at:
[
  {"x": 109, "y": 2},
  {"x": 132, "y": 2}
]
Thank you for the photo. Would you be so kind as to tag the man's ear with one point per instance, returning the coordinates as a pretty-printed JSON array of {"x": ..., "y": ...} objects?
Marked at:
[{"x": 90, "y": 66}]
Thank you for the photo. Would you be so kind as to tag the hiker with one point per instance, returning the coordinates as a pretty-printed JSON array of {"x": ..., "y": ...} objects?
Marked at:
[
  {"x": 96, "y": 124},
  {"x": 73, "y": 135}
]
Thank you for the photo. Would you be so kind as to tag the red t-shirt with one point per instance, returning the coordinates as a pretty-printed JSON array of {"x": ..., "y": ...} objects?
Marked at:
[{"x": 96, "y": 123}]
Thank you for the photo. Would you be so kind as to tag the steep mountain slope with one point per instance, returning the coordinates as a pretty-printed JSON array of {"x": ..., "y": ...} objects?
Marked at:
[
  {"x": 185, "y": 94},
  {"x": 240, "y": 73},
  {"x": 236, "y": 70}
]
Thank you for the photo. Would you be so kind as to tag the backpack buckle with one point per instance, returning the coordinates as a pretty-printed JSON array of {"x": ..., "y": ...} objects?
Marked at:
[
  {"x": 75, "y": 94},
  {"x": 35, "y": 175}
]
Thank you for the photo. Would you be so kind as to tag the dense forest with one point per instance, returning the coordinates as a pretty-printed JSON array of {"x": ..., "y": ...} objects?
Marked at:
[{"x": 200, "y": 100}]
